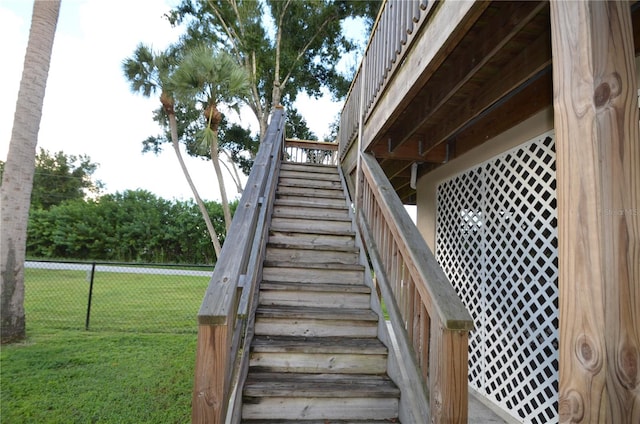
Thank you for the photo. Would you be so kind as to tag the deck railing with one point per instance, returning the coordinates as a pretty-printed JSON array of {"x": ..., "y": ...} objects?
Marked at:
[
  {"x": 225, "y": 319},
  {"x": 398, "y": 23},
  {"x": 424, "y": 310},
  {"x": 315, "y": 152}
]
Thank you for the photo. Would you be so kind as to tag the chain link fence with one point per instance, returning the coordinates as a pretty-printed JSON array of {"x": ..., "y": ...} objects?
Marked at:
[{"x": 147, "y": 298}]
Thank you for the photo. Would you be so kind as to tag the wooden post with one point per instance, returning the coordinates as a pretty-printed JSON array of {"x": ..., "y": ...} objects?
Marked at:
[
  {"x": 598, "y": 166},
  {"x": 210, "y": 393},
  {"x": 448, "y": 374}
]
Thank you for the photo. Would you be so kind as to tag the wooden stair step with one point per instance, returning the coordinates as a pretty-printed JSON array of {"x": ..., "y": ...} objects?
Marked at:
[
  {"x": 304, "y": 220},
  {"x": 315, "y": 241},
  {"x": 296, "y": 166},
  {"x": 273, "y": 384},
  {"x": 319, "y": 355},
  {"x": 311, "y": 202},
  {"x": 321, "y": 295},
  {"x": 297, "y": 190},
  {"x": 309, "y": 175},
  {"x": 298, "y": 273},
  {"x": 288, "y": 396},
  {"x": 313, "y": 266},
  {"x": 300, "y": 243},
  {"x": 308, "y": 183},
  {"x": 292, "y": 254},
  {"x": 283, "y": 344},
  {"x": 296, "y": 211},
  {"x": 311, "y": 225},
  {"x": 279, "y": 320},
  {"x": 315, "y": 313},
  {"x": 334, "y": 287}
]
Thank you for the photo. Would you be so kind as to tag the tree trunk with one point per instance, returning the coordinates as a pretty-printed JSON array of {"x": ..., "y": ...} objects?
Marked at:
[
  {"x": 214, "y": 117},
  {"x": 203, "y": 209},
  {"x": 223, "y": 190},
  {"x": 17, "y": 180}
]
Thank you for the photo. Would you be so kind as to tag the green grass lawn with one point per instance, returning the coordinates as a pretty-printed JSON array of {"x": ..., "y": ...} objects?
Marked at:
[{"x": 135, "y": 365}]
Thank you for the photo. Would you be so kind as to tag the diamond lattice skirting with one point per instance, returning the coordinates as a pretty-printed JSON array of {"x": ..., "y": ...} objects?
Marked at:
[{"x": 496, "y": 239}]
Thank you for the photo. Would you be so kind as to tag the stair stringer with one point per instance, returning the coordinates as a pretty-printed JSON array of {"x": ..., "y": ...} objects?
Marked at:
[{"x": 402, "y": 366}]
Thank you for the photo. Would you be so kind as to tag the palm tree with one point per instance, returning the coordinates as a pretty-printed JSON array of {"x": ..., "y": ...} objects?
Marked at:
[
  {"x": 17, "y": 179},
  {"x": 149, "y": 73},
  {"x": 212, "y": 78}
]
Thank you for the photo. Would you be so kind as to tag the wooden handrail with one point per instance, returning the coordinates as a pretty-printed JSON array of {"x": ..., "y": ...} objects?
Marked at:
[
  {"x": 220, "y": 326},
  {"x": 421, "y": 301}
]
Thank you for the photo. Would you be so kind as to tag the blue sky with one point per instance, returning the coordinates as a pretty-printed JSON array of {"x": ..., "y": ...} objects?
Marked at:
[{"x": 88, "y": 108}]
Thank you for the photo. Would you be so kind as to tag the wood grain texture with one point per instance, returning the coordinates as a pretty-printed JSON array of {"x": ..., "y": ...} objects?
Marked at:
[
  {"x": 598, "y": 165},
  {"x": 211, "y": 385},
  {"x": 435, "y": 289},
  {"x": 448, "y": 371}
]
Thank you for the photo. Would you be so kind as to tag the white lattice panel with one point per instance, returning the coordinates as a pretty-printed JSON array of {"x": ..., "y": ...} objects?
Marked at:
[{"x": 497, "y": 242}]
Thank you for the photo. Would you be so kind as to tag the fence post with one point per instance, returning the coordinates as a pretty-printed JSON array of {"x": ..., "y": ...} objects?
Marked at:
[{"x": 93, "y": 271}]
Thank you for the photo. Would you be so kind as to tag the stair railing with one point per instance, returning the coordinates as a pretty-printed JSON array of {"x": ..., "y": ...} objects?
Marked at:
[
  {"x": 395, "y": 29},
  {"x": 312, "y": 152},
  {"x": 425, "y": 311},
  {"x": 226, "y": 316}
]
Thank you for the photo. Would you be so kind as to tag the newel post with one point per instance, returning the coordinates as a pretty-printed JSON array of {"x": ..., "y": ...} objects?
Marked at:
[
  {"x": 448, "y": 374},
  {"x": 598, "y": 174},
  {"x": 211, "y": 383}
]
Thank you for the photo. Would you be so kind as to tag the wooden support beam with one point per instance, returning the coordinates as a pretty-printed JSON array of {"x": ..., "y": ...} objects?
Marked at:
[
  {"x": 512, "y": 110},
  {"x": 529, "y": 64},
  {"x": 465, "y": 61},
  {"x": 449, "y": 24},
  {"x": 411, "y": 151},
  {"x": 598, "y": 165}
]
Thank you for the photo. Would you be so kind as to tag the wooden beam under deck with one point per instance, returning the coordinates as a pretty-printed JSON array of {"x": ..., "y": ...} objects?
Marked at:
[
  {"x": 481, "y": 46},
  {"x": 533, "y": 97}
]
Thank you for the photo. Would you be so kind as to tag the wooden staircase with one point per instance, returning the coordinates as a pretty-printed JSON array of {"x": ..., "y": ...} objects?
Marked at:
[{"x": 315, "y": 356}]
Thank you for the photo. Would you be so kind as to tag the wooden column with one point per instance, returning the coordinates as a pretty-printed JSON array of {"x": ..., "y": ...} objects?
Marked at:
[
  {"x": 211, "y": 385},
  {"x": 598, "y": 165},
  {"x": 448, "y": 374}
]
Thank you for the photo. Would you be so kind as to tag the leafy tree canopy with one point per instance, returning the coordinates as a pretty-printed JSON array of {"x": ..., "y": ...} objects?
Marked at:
[
  {"x": 134, "y": 225},
  {"x": 287, "y": 46},
  {"x": 59, "y": 177}
]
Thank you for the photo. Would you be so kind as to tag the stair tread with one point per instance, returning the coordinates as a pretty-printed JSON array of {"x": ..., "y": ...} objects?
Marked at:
[
  {"x": 304, "y": 233},
  {"x": 309, "y": 174},
  {"x": 331, "y": 266},
  {"x": 297, "y": 217},
  {"x": 316, "y": 166},
  {"x": 317, "y": 231},
  {"x": 316, "y": 313},
  {"x": 318, "y": 287},
  {"x": 297, "y": 183},
  {"x": 281, "y": 384},
  {"x": 311, "y": 216},
  {"x": 298, "y": 245},
  {"x": 299, "y": 199},
  {"x": 337, "y": 345}
]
